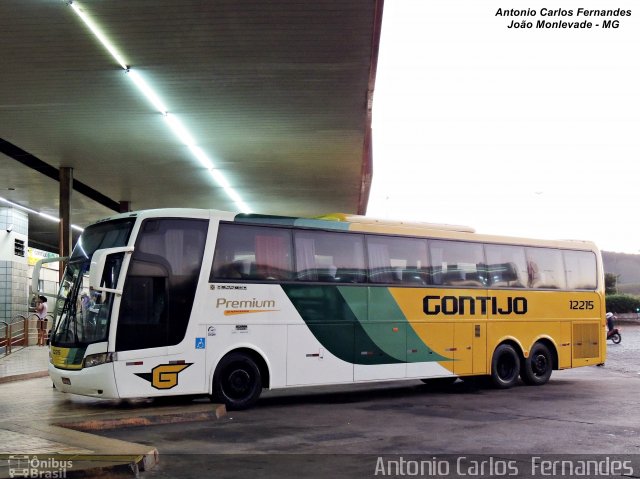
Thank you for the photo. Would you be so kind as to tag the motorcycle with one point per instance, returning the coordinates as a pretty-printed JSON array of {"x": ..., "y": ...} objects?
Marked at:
[{"x": 614, "y": 335}]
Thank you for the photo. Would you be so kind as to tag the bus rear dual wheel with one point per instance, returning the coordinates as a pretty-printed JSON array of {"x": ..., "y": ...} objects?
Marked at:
[
  {"x": 237, "y": 382},
  {"x": 506, "y": 366}
]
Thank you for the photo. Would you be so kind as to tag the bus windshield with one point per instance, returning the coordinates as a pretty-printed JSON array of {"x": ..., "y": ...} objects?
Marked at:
[{"x": 82, "y": 316}]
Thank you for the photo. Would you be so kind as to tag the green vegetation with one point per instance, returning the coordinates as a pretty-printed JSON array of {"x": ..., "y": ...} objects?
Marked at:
[
  {"x": 619, "y": 297},
  {"x": 622, "y": 303},
  {"x": 611, "y": 283}
]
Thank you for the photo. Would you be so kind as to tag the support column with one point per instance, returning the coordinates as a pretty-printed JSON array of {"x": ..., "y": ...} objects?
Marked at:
[
  {"x": 125, "y": 206},
  {"x": 14, "y": 230},
  {"x": 66, "y": 187}
]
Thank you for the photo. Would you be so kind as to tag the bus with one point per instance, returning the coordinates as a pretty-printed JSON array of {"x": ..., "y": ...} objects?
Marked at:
[{"x": 205, "y": 302}]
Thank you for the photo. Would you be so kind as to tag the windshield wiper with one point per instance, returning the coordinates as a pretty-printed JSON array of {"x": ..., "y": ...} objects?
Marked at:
[{"x": 69, "y": 308}]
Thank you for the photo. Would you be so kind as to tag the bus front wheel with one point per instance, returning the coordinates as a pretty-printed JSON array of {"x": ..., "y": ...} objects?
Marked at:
[
  {"x": 505, "y": 367},
  {"x": 536, "y": 369},
  {"x": 237, "y": 382}
]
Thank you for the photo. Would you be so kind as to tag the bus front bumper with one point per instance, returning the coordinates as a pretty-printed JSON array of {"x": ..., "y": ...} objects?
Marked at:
[{"x": 97, "y": 381}]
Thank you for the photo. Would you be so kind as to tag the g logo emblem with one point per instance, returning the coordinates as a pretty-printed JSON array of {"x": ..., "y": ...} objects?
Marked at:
[{"x": 164, "y": 376}]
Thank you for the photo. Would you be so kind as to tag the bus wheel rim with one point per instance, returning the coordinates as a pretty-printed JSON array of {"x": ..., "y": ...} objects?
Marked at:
[
  {"x": 539, "y": 365},
  {"x": 506, "y": 367},
  {"x": 238, "y": 382}
]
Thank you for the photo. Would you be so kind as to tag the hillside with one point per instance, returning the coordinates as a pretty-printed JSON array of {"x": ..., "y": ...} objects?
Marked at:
[{"x": 627, "y": 267}]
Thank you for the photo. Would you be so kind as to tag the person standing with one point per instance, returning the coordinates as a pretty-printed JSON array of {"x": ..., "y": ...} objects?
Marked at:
[{"x": 41, "y": 311}]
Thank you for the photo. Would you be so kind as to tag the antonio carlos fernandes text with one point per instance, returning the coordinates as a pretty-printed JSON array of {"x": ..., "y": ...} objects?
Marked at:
[{"x": 501, "y": 467}]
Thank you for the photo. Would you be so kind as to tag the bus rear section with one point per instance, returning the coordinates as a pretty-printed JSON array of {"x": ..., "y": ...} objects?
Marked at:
[{"x": 383, "y": 306}]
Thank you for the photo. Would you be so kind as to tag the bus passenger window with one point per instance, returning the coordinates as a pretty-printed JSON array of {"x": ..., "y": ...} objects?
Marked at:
[
  {"x": 257, "y": 253},
  {"x": 506, "y": 266},
  {"x": 545, "y": 268},
  {"x": 581, "y": 269},
  {"x": 329, "y": 257},
  {"x": 397, "y": 260},
  {"x": 458, "y": 263}
]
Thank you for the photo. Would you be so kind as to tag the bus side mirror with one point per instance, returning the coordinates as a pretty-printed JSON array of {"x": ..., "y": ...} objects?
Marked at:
[
  {"x": 96, "y": 270},
  {"x": 35, "y": 276}
]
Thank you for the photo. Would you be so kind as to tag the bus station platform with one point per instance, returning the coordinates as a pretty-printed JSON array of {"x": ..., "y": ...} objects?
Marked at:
[
  {"x": 26, "y": 363},
  {"x": 44, "y": 432}
]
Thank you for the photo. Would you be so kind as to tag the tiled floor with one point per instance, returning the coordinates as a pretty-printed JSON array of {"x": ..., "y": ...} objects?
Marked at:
[{"x": 33, "y": 359}]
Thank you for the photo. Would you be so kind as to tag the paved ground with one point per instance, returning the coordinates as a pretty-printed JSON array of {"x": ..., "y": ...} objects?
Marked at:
[
  {"x": 343, "y": 431},
  {"x": 625, "y": 357},
  {"x": 41, "y": 429},
  {"x": 24, "y": 363}
]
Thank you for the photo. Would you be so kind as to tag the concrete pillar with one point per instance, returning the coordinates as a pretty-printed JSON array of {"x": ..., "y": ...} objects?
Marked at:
[
  {"x": 14, "y": 285},
  {"x": 66, "y": 187}
]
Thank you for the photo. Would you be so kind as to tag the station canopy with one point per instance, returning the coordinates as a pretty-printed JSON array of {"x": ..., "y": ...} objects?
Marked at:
[{"x": 262, "y": 106}]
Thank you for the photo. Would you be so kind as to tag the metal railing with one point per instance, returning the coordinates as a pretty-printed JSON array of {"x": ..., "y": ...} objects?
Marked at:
[
  {"x": 5, "y": 347},
  {"x": 20, "y": 332}
]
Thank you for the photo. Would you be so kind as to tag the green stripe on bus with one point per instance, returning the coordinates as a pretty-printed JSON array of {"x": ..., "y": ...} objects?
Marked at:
[
  {"x": 381, "y": 333},
  {"x": 325, "y": 311},
  {"x": 386, "y": 324},
  {"x": 291, "y": 221},
  {"x": 322, "y": 224}
]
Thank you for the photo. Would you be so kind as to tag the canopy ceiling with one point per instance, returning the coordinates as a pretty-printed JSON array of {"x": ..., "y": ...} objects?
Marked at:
[{"x": 277, "y": 93}]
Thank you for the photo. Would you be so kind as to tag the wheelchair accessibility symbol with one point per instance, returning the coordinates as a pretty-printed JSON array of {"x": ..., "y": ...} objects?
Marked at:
[{"x": 200, "y": 343}]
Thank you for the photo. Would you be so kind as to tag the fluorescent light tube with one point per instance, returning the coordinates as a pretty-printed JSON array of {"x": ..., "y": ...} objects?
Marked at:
[
  {"x": 99, "y": 35},
  {"x": 147, "y": 91},
  {"x": 180, "y": 131},
  {"x": 175, "y": 125},
  {"x": 201, "y": 156},
  {"x": 219, "y": 177}
]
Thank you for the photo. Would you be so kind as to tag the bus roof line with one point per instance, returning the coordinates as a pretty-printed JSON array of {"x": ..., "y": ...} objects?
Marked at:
[{"x": 343, "y": 217}]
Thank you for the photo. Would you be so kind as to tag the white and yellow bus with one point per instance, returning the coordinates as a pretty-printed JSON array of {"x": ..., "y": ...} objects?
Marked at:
[{"x": 194, "y": 302}]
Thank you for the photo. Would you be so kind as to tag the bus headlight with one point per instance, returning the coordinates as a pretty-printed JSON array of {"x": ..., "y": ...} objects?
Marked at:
[{"x": 97, "y": 359}]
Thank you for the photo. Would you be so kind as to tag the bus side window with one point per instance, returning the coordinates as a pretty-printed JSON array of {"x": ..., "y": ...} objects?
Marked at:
[
  {"x": 458, "y": 263},
  {"x": 506, "y": 266},
  {"x": 329, "y": 257},
  {"x": 273, "y": 256},
  {"x": 546, "y": 268},
  {"x": 258, "y": 253},
  {"x": 581, "y": 269},
  {"x": 395, "y": 260}
]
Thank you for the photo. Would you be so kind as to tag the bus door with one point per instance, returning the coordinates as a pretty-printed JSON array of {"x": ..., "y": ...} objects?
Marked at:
[
  {"x": 158, "y": 350},
  {"x": 470, "y": 348},
  {"x": 469, "y": 336},
  {"x": 147, "y": 362}
]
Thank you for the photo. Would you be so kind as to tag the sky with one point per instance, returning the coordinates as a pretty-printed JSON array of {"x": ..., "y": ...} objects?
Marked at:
[{"x": 522, "y": 132}]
